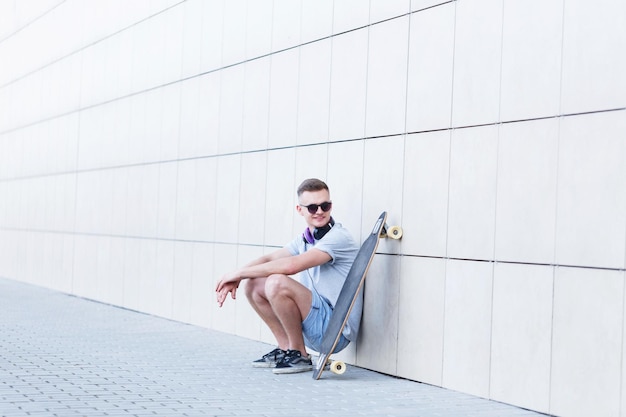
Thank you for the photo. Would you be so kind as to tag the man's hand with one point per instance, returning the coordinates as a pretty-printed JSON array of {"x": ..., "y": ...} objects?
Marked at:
[{"x": 228, "y": 284}]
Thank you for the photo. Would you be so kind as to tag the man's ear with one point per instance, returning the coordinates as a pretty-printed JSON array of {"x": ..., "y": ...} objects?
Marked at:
[{"x": 299, "y": 209}]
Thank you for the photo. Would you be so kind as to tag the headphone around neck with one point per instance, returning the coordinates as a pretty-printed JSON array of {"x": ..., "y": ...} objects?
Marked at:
[{"x": 317, "y": 234}]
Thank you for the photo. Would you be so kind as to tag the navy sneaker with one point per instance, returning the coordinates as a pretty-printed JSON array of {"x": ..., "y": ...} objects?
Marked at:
[
  {"x": 269, "y": 360},
  {"x": 293, "y": 362}
]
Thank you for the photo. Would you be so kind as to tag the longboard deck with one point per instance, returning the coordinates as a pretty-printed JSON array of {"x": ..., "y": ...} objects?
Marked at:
[{"x": 348, "y": 295}]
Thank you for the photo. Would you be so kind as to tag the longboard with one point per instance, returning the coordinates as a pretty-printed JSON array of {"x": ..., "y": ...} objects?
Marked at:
[{"x": 349, "y": 293}]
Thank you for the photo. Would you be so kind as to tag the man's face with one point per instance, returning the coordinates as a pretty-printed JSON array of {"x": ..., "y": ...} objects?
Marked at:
[{"x": 320, "y": 218}]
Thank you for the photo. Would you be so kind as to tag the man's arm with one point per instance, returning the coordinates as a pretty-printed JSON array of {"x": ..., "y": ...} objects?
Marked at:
[
  {"x": 282, "y": 262},
  {"x": 272, "y": 256},
  {"x": 277, "y": 262}
]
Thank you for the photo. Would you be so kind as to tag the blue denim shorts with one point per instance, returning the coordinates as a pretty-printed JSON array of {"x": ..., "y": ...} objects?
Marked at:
[{"x": 315, "y": 324}]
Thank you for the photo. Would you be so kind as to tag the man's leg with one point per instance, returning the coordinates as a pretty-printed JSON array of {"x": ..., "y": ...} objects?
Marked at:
[
  {"x": 290, "y": 302},
  {"x": 255, "y": 292},
  {"x": 282, "y": 303}
]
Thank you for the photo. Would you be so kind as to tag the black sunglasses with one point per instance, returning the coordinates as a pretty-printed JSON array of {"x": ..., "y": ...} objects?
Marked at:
[{"x": 313, "y": 207}]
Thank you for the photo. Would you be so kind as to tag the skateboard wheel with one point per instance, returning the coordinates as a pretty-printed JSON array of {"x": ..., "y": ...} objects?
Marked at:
[
  {"x": 394, "y": 232},
  {"x": 338, "y": 367}
]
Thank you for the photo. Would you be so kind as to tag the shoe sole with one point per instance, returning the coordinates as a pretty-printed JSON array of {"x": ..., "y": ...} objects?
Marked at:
[{"x": 292, "y": 369}]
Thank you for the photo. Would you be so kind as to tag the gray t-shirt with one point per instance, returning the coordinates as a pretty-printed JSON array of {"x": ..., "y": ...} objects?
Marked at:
[{"x": 327, "y": 279}]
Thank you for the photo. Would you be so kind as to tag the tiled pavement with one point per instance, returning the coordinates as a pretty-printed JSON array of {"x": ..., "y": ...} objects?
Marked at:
[{"x": 65, "y": 356}]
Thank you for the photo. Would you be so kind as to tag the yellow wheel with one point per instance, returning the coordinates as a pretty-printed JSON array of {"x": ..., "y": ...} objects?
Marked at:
[
  {"x": 338, "y": 367},
  {"x": 394, "y": 232}
]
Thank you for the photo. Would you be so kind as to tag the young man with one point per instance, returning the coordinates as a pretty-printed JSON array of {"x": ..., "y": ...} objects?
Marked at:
[{"x": 297, "y": 312}]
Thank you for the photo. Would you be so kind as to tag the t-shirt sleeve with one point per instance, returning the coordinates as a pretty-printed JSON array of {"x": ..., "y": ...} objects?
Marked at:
[{"x": 338, "y": 243}]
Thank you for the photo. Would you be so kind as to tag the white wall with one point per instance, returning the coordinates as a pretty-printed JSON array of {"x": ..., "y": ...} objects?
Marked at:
[{"x": 147, "y": 147}]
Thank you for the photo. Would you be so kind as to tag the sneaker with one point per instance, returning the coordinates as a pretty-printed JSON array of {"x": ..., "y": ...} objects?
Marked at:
[
  {"x": 269, "y": 360},
  {"x": 293, "y": 362}
]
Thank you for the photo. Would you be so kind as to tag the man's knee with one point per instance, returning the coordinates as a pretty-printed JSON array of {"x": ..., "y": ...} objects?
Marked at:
[
  {"x": 254, "y": 288},
  {"x": 276, "y": 284}
]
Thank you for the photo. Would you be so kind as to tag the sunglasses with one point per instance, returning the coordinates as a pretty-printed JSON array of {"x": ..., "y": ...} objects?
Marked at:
[{"x": 313, "y": 207}]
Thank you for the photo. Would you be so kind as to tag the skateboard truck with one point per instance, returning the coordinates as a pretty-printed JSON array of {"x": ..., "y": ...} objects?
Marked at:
[
  {"x": 335, "y": 366},
  {"x": 394, "y": 232}
]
